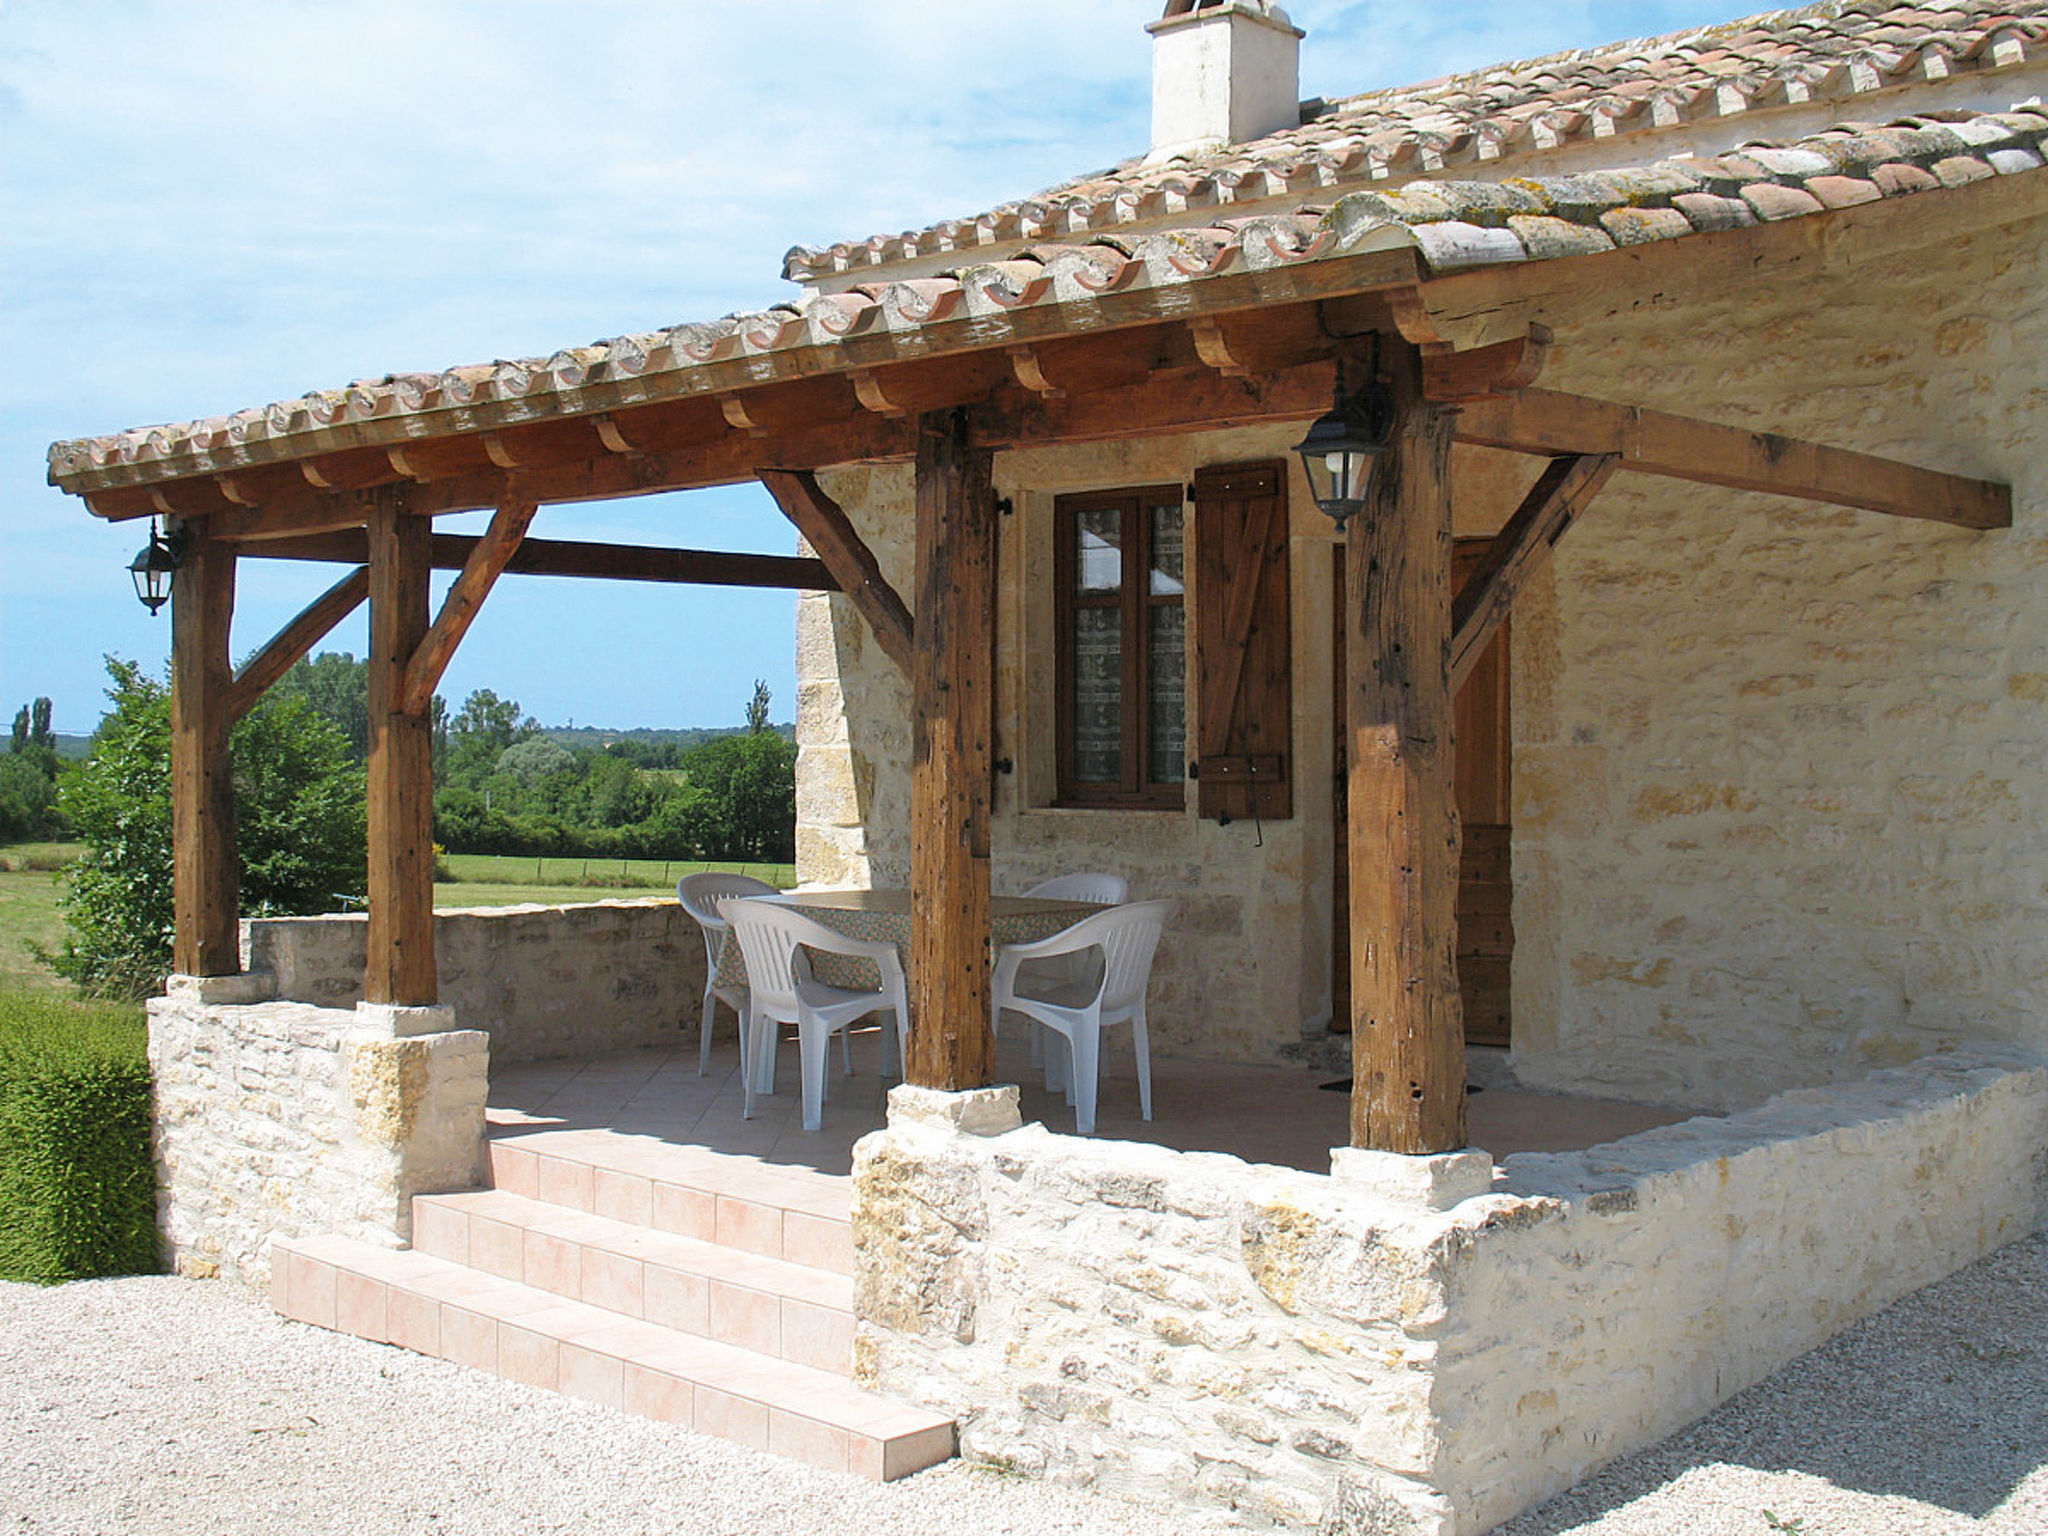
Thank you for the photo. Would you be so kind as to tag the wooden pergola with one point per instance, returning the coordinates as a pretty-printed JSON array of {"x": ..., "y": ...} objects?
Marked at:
[{"x": 1239, "y": 349}]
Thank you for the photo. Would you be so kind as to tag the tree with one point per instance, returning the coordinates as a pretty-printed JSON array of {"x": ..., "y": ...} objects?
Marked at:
[
  {"x": 757, "y": 708},
  {"x": 28, "y": 795},
  {"x": 533, "y": 759},
  {"x": 300, "y": 833},
  {"x": 32, "y": 727},
  {"x": 484, "y": 727},
  {"x": 337, "y": 686},
  {"x": 749, "y": 788}
]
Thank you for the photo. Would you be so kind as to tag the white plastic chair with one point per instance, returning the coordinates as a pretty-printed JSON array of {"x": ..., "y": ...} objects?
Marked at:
[
  {"x": 1077, "y": 1011},
  {"x": 1102, "y": 889},
  {"x": 781, "y": 989},
  {"x": 700, "y": 895}
]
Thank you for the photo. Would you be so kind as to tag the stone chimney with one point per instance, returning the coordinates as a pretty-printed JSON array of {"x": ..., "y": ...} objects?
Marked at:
[{"x": 1223, "y": 71}]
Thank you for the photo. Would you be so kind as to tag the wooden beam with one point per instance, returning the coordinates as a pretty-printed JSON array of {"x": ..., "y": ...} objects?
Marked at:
[
  {"x": 952, "y": 726},
  {"x": 559, "y": 557},
  {"x": 1407, "y": 1031},
  {"x": 465, "y": 598},
  {"x": 1484, "y": 372},
  {"x": 1166, "y": 403},
  {"x": 290, "y": 644},
  {"x": 400, "y": 967},
  {"x": 824, "y": 523},
  {"x": 206, "y": 868},
  {"x": 1562, "y": 492},
  {"x": 1658, "y": 443}
]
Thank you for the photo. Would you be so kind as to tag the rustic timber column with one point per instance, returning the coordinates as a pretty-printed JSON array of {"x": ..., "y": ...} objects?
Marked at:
[
  {"x": 206, "y": 869},
  {"x": 401, "y": 965},
  {"x": 953, "y": 717},
  {"x": 1407, "y": 1023}
]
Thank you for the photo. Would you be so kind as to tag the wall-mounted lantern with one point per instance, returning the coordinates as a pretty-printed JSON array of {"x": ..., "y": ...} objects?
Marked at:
[{"x": 156, "y": 565}]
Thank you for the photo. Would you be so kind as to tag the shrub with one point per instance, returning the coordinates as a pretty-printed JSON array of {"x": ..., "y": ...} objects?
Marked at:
[
  {"x": 76, "y": 1177},
  {"x": 299, "y": 807}
]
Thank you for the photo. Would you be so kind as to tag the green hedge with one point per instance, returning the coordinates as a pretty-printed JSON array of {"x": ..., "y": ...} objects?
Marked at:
[{"x": 76, "y": 1179}]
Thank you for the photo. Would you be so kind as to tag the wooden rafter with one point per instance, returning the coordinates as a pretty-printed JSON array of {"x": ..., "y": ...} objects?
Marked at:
[
  {"x": 290, "y": 644},
  {"x": 1543, "y": 422},
  {"x": 1482, "y": 373},
  {"x": 1559, "y": 495},
  {"x": 824, "y": 523},
  {"x": 459, "y": 609}
]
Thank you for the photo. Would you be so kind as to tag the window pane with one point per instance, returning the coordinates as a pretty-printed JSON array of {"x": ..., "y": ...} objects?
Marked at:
[
  {"x": 1098, "y": 550},
  {"x": 1098, "y": 695},
  {"x": 1167, "y": 712},
  {"x": 1167, "y": 579}
]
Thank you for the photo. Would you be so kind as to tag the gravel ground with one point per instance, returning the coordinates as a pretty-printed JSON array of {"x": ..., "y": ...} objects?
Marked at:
[{"x": 163, "y": 1405}]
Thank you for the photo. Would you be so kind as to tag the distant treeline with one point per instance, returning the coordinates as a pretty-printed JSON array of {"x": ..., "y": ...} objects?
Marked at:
[{"x": 504, "y": 784}]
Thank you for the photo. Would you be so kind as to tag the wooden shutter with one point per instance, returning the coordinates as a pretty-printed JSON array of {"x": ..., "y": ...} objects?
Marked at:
[{"x": 1243, "y": 643}]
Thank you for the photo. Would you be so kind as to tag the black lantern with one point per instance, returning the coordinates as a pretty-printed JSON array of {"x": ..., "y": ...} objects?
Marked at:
[
  {"x": 1340, "y": 448},
  {"x": 154, "y": 567}
]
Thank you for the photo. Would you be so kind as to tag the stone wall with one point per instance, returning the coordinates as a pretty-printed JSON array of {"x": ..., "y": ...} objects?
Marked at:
[
  {"x": 1780, "y": 769},
  {"x": 1264, "y": 1344},
  {"x": 286, "y": 1118},
  {"x": 539, "y": 981}
]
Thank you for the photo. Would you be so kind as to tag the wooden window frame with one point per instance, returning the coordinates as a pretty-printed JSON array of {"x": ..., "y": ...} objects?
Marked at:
[{"x": 1133, "y": 599}]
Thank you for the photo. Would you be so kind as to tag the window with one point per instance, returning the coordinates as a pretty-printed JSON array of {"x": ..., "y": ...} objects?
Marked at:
[{"x": 1123, "y": 648}]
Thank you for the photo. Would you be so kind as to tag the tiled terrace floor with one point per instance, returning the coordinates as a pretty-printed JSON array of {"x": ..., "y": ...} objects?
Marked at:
[{"x": 1263, "y": 1114}]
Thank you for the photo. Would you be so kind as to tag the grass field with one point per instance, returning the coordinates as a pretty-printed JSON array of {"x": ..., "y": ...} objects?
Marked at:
[
  {"x": 30, "y": 882},
  {"x": 28, "y": 920},
  {"x": 605, "y": 876}
]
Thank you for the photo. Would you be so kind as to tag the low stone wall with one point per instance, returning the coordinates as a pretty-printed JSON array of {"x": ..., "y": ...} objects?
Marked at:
[
  {"x": 285, "y": 1118},
  {"x": 540, "y": 981},
  {"x": 1254, "y": 1341}
]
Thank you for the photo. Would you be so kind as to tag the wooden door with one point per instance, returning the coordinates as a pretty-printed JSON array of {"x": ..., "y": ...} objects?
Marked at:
[{"x": 1485, "y": 751}]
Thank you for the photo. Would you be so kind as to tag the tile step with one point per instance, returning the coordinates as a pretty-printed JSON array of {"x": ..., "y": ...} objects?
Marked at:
[
  {"x": 793, "y": 1214},
  {"x": 771, "y": 1306},
  {"x": 453, "y": 1312}
]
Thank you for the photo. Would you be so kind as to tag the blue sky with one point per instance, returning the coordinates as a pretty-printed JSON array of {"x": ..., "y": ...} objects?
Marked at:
[{"x": 206, "y": 205}]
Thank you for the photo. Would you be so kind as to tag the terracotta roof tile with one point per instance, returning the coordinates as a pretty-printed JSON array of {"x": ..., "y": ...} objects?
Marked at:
[
  {"x": 1822, "y": 53},
  {"x": 1450, "y": 224}
]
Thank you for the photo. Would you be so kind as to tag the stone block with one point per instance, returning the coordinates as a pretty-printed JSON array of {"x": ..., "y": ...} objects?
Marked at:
[
  {"x": 401, "y": 1022},
  {"x": 222, "y": 991},
  {"x": 973, "y": 1112},
  {"x": 1434, "y": 1182}
]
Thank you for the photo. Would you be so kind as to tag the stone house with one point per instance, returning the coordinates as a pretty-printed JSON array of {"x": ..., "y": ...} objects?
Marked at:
[{"x": 1664, "y": 722}]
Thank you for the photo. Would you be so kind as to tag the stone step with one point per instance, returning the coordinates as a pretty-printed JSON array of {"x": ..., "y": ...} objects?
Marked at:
[
  {"x": 424, "y": 1303},
  {"x": 795, "y": 1214},
  {"x": 771, "y": 1306}
]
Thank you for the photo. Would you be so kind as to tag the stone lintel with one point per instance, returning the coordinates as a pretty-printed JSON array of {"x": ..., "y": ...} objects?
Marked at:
[
  {"x": 1434, "y": 1182},
  {"x": 222, "y": 991},
  {"x": 401, "y": 1022},
  {"x": 970, "y": 1112}
]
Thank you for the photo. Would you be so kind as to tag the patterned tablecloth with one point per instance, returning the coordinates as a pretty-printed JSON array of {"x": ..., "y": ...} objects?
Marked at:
[{"x": 885, "y": 914}]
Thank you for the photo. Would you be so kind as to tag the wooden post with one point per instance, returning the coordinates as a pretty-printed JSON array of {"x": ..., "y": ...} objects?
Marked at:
[
  {"x": 1407, "y": 1031},
  {"x": 206, "y": 867},
  {"x": 953, "y": 719},
  {"x": 401, "y": 966}
]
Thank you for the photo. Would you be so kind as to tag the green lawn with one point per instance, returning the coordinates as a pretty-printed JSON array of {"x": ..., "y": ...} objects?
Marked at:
[
  {"x": 597, "y": 878},
  {"x": 30, "y": 884},
  {"x": 28, "y": 920}
]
